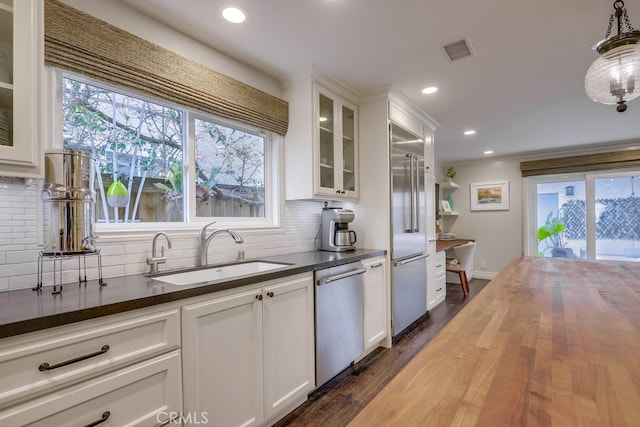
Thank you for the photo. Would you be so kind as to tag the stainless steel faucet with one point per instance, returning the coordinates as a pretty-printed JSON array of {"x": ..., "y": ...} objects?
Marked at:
[
  {"x": 155, "y": 259},
  {"x": 204, "y": 240}
]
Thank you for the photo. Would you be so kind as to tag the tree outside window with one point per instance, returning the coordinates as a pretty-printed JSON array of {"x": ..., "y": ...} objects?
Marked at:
[{"x": 137, "y": 147}]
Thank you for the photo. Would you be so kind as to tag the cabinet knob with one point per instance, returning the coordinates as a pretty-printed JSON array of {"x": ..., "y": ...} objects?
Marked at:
[
  {"x": 343, "y": 192},
  {"x": 338, "y": 191},
  {"x": 259, "y": 297},
  {"x": 270, "y": 294}
]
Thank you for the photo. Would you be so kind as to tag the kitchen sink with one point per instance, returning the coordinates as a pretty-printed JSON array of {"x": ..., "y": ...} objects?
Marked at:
[{"x": 216, "y": 273}]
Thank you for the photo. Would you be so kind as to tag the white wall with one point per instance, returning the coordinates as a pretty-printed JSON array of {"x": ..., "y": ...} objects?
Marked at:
[{"x": 497, "y": 233}]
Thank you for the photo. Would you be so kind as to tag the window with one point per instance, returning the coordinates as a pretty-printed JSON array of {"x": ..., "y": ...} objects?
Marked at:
[
  {"x": 142, "y": 148},
  {"x": 594, "y": 216},
  {"x": 230, "y": 177}
]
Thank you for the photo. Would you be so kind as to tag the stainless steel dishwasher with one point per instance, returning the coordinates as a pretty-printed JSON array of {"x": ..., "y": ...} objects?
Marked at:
[{"x": 339, "y": 336}]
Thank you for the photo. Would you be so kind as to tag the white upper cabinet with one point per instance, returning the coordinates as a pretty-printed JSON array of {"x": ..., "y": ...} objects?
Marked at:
[
  {"x": 21, "y": 62},
  {"x": 321, "y": 145}
]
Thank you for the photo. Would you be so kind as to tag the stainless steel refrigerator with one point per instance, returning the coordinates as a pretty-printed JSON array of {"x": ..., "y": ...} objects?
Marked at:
[{"x": 408, "y": 245}]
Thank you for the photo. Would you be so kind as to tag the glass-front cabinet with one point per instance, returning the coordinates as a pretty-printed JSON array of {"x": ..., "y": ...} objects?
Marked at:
[
  {"x": 336, "y": 148},
  {"x": 20, "y": 69}
]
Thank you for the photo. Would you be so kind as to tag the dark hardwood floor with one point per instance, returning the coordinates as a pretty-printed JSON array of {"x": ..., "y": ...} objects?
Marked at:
[{"x": 341, "y": 399}]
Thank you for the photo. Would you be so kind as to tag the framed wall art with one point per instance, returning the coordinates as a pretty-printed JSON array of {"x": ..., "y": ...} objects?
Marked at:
[{"x": 489, "y": 196}]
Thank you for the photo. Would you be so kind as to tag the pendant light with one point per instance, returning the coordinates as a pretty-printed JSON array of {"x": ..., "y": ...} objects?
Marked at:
[{"x": 612, "y": 77}]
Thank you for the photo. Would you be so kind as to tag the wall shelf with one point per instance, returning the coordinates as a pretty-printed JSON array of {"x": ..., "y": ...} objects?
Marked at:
[{"x": 449, "y": 185}]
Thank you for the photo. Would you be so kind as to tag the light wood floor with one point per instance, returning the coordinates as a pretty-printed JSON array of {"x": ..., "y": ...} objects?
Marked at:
[{"x": 341, "y": 399}]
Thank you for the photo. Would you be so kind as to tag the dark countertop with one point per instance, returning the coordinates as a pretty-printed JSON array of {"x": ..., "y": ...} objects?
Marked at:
[{"x": 24, "y": 310}]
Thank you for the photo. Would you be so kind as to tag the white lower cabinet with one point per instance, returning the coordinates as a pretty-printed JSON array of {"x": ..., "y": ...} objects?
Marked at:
[
  {"x": 39, "y": 362},
  {"x": 144, "y": 394},
  {"x": 248, "y": 356},
  {"x": 288, "y": 338},
  {"x": 436, "y": 282},
  {"x": 441, "y": 277},
  {"x": 119, "y": 370},
  {"x": 375, "y": 303}
]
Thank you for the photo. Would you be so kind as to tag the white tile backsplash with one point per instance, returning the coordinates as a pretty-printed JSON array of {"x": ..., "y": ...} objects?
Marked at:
[{"x": 19, "y": 242}]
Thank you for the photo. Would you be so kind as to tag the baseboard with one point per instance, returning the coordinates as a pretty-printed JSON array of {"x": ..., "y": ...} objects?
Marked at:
[{"x": 486, "y": 275}]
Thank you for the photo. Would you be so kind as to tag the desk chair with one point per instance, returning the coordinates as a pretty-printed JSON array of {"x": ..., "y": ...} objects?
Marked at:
[{"x": 464, "y": 255}]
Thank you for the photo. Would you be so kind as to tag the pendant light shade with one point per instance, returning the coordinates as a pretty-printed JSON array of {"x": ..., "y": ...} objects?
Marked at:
[{"x": 614, "y": 78}]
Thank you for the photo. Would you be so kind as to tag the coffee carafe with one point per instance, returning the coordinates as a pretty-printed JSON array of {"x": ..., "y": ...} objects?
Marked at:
[{"x": 335, "y": 233}]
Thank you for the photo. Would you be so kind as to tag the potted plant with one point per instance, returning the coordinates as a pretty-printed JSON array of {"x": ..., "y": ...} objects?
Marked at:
[
  {"x": 451, "y": 173},
  {"x": 553, "y": 233}
]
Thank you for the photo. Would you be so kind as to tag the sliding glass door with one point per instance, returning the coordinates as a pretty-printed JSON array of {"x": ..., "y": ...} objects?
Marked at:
[
  {"x": 616, "y": 215},
  {"x": 591, "y": 216}
]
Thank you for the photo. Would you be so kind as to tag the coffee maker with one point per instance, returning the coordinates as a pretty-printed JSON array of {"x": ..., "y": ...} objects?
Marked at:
[{"x": 334, "y": 230}]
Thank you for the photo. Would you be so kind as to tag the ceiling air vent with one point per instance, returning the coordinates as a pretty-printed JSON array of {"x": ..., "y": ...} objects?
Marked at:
[{"x": 458, "y": 49}]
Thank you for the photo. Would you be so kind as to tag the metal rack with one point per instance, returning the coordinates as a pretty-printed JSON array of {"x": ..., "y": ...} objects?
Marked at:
[{"x": 58, "y": 257}]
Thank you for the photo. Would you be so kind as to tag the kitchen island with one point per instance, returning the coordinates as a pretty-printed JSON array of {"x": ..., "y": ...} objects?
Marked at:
[{"x": 547, "y": 342}]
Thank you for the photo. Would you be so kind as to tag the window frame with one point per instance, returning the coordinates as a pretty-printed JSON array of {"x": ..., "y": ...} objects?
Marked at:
[{"x": 53, "y": 135}]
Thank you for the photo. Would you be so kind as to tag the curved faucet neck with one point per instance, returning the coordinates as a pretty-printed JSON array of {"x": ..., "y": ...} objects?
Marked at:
[
  {"x": 155, "y": 239},
  {"x": 206, "y": 240}
]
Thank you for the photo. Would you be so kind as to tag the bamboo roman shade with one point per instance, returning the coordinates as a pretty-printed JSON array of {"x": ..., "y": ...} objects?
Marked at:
[
  {"x": 584, "y": 163},
  {"x": 79, "y": 42}
]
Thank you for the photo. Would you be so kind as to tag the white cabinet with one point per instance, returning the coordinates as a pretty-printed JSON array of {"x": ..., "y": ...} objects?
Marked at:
[
  {"x": 288, "y": 337},
  {"x": 249, "y": 354},
  {"x": 40, "y": 362},
  {"x": 374, "y": 303},
  {"x": 21, "y": 62},
  {"x": 222, "y": 359},
  {"x": 125, "y": 368},
  {"x": 437, "y": 290},
  {"x": 144, "y": 394},
  {"x": 321, "y": 145}
]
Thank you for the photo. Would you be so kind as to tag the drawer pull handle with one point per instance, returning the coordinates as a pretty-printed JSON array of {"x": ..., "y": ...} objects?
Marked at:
[
  {"x": 46, "y": 367},
  {"x": 376, "y": 265},
  {"x": 105, "y": 417},
  {"x": 438, "y": 290},
  {"x": 439, "y": 265}
]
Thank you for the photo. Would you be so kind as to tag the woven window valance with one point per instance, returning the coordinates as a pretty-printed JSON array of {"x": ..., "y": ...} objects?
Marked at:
[
  {"x": 81, "y": 43},
  {"x": 584, "y": 163}
]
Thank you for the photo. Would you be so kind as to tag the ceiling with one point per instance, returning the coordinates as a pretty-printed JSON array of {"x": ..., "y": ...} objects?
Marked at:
[{"x": 522, "y": 91}]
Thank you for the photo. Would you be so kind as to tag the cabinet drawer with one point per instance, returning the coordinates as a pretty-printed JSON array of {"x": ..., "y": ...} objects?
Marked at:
[
  {"x": 441, "y": 288},
  {"x": 78, "y": 351},
  {"x": 441, "y": 263},
  {"x": 143, "y": 394}
]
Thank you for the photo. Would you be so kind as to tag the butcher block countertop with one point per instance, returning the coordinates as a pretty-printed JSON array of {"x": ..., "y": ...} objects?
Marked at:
[{"x": 547, "y": 342}]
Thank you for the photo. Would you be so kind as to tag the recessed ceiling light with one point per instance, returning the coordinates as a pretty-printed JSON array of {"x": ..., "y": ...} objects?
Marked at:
[
  {"x": 469, "y": 132},
  {"x": 429, "y": 90},
  {"x": 488, "y": 152},
  {"x": 234, "y": 14}
]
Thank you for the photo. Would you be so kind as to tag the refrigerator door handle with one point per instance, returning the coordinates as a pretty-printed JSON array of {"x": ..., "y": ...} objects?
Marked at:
[
  {"x": 416, "y": 227},
  {"x": 408, "y": 260},
  {"x": 412, "y": 206}
]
